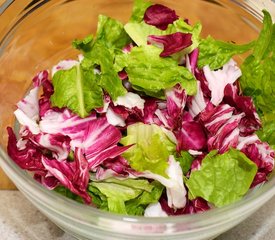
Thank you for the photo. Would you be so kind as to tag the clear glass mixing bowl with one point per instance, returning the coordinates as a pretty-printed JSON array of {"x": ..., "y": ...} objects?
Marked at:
[{"x": 34, "y": 35}]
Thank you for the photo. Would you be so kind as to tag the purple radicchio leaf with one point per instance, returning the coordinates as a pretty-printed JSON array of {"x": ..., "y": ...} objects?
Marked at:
[
  {"x": 217, "y": 80},
  {"x": 192, "y": 206},
  {"x": 159, "y": 16},
  {"x": 66, "y": 123},
  {"x": 191, "y": 136},
  {"x": 171, "y": 43},
  {"x": 196, "y": 104},
  {"x": 57, "y": 144},
  {"x": 100, "y": 142},
  {"x": 28, "y": 158},
  {"x": 170, "y": 113},
  {"x": 72, "y": 175},
  {"x": 251, "y": 121},
  {"x": 222, "y": 125},
  {"x": 260, "y": 153},
  {"x": 192, "y": 61}
]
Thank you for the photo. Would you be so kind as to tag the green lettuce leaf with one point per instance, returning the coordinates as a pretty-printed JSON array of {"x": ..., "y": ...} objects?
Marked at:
[
  {"x": 119, "y": 195},
  {"x": 85, "y": 45},
  {"x": 137, "y": 206},
  {"x": 139, "y": 9},
  {"x": 258, "y": 79},
  {"x": 111, "y": 32},
  {"x": 77, "y": 90},
  {"x": 258, "y": 72},
  {"x": 223, "y": 178},
  {"x": 68, "y": 194},
  {"x": 108, "y": 78},
  {"x": 151, "y": 150},
  {"x": 216, "y": 53},
  {"x": 150, "y": 73},
  {"x": 185, "y": 159}
]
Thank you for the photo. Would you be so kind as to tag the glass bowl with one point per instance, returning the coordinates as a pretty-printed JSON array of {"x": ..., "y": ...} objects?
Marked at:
[{"x": 34, "y": 35}]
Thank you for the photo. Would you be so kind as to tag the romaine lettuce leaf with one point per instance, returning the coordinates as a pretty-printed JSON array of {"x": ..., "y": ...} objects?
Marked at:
[
  {"x": 150, "y": 73},
  {"x": 258, "y": 79},
  {"x": 111, "y": 32},
  {"x": 223, "y": 178},
  {"x": 216, "y": 53},
  {"x": 151, "y": 150},
  {"x": 120, "y": 196},
  {"x": 108, "y": 77},
  {"x": 85, "y": 45},
  {"x": 258, "y": 72},
  {"x": 77, "y": 90},
  {"x": 137, "y": 206}
]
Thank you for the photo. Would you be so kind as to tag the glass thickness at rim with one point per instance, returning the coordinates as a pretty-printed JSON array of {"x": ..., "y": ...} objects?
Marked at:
[{"x": 86, "y": 215}]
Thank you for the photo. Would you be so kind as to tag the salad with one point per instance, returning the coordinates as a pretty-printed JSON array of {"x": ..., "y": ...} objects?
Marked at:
[{"x": 152, "y": 119}]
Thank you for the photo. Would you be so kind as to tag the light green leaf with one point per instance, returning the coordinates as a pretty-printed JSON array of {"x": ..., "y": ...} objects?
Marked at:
[
  {"x": 137, "y": 206},
  {"x": 223, "y": 178},
  {"x": 151, "y": 150},
  {"x": 77, "y": 90},
  {"x": 150, "y": 73},
  {"x": 119, "y": 195},
  {"x": 216, "y": 53},
  {"x": 111, "y": 33}
]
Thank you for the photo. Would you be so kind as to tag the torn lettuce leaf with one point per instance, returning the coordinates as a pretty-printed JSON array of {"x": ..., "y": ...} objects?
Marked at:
[
  {"x": 76, "y": 89},
  {"x": 223, "y": 178},
  {"x": 258, "y": 72},
  {"x": 151, "y": 148},
  {"x": 111, "y": 32},
  {"x": 108, "y": 77},
  {"x": 258, "y": 78},
  {"x": 150, "y": 73},
  {"x": 126, "y": 196},
  {"x": 217, "y": 53}
]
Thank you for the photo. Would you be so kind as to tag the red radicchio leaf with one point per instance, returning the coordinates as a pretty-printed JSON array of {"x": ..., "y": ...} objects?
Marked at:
[
  {"x": 159, "y": 16},
  {"x": 28, "y": 158},
  {"x": 74, "y": 176},
  {"x": 41, "y": 79},
  {"x": 191, "y": 136},
  {"x": 261, "y": 154},
  {"x": 48, "y": 181},
  {"x": 192, "y": 206},
  {"x": 251, "y": 122},
  {"x": 172, "y": 43},
  {"x": 259, "y": 178}
]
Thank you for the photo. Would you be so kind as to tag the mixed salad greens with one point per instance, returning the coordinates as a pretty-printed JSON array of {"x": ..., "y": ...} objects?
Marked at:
[{"x": 152, "y": 119}]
